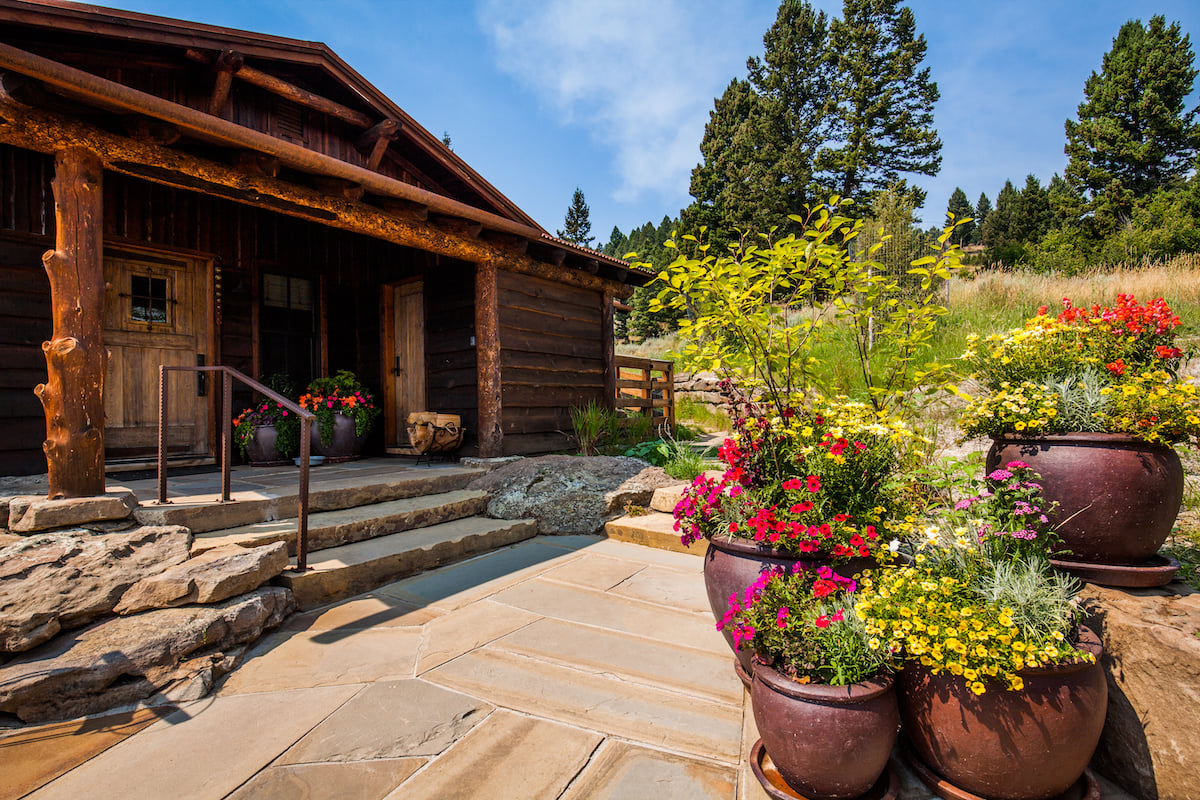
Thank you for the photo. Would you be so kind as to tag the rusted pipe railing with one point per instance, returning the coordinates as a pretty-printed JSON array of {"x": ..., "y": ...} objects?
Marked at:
[{"x": 228, "y": 376}]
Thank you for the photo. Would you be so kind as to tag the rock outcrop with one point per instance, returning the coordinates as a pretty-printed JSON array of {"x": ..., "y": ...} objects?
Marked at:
[
  {"x": 569, "y": 494},
  {"x": 177, "y": 652},
  {"x": 66, "y": 579},
  {"x": 1152, "y": 658},
  {"x": 210, "y": 577},
  {"x": 27, "y": 514}
]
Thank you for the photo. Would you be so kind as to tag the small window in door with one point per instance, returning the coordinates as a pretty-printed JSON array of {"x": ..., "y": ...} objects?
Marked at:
[{"x": 148, "y": 299}]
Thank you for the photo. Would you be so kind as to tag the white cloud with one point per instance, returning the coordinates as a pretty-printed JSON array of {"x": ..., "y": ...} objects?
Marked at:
[{"x": 640, "y": 76}]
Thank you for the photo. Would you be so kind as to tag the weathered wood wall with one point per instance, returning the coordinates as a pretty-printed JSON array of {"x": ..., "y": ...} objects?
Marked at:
[
  {"x": 552, "y": 358},
  {"x": 451, "y": 386}
]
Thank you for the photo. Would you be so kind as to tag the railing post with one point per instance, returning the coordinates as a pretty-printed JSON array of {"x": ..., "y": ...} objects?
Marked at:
[
  {"x": 162, "y": 434},
  {"x": 226, "y": 434},
  {"x": 302, "y": 522}
]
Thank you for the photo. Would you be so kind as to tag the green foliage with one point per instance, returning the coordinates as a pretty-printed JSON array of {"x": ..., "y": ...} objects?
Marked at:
[
  {"x": 647, "y": 243},
  {"x": 701, "y": 414},
  {"x": 756, "y": 314},
  {"x": 1132, "y": 126},
  {"x": 678, "y": 459},
  {"x": 594, "y": 424},
  {"x": 882, "y": 125},
  {"x": 577, "y": 226},
  {"x": 340, "y": 394},
  {"x": 983, "y": 207},
  {"x": 959, "y": 210}
]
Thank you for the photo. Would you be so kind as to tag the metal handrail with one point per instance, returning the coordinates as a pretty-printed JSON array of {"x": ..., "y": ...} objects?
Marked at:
[{"x": 228, "y": 375}]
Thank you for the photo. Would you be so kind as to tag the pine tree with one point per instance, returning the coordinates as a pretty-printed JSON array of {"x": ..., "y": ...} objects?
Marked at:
[
  {"x": 617, "y": 245},
  {"x": 1067, "y": 206},
  {"x": 1132, "y": 127},
  {"x": 1032, "y": 218},
  {"x": 883, "y": 123},
  {"x": 961, "y": 208},
  {"x": 998, "y": 235},
  {"x": 983, "y": 207},
  {"x": 577, "y": 227}
]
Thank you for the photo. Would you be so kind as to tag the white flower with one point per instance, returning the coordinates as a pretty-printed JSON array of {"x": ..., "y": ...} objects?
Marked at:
[{"x": 894, "y": 546}]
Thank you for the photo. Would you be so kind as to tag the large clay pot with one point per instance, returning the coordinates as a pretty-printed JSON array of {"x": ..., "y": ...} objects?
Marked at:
[
  {"x": 732, "y": 565},
  {"x": 261, "y": 450},
  {"x": 1117, "y": 496},
  {"x": 827, "y": 742},
  {"x": 1029, "y": 744},
  {"x": 345, "y": 444}
]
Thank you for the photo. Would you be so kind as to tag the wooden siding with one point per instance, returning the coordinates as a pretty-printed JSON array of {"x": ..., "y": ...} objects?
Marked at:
[
  {"x": 551, "y": 359},
  {"x": 451, "y": 386},
  {"x": 24, "y": 325}
]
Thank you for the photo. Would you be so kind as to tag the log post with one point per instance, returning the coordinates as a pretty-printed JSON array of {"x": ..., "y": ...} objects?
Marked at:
[
  {"x": 609, "y": 338},
  {"x": 487, "y": 360},
  {"x": 73, "y": 395}
]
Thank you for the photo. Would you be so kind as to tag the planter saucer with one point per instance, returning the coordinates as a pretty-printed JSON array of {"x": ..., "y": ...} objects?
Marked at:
[
  {"x": 1086, "y": 788},
  {"x": 886, "y": 788},
  {"x": 1158, "y": 571},
  {"x": 743, "y": 676}
]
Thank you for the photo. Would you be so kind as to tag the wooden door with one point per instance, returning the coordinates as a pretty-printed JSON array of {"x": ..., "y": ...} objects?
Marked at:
[
  {"x": 155, "y": 312},
  {"x": 404, "y": 352}
]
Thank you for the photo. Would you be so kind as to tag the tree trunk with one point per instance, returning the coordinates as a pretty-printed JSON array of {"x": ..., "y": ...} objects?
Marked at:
[
  {"x": 73, "y": 395},
  {"x": 487, "y": 357}
]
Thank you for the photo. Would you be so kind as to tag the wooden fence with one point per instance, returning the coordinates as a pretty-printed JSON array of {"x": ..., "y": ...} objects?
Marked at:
[{"x": 646, "y": 386}]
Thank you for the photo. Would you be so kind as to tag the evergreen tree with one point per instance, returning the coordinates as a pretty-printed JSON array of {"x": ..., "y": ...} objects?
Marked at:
[
  {"x": 1132, "y": 126},
  {"x": 1032, "y": 218},
  {"x": 1067, "y": 206},
  {"x": 999, "y": 237},
  {"x": 617, "y": 245},
  {"x": 983, "y": 207},
  {"x": 883, "y": 122},
  {"x": 960, "y": 207},
  {"x": 577, "y": 226}
]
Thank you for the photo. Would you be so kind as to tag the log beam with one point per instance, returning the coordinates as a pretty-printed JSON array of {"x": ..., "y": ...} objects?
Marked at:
[
  {"x": 256, "y": 163},
  {"x": 375, "y": 141},
  {"x": 73, "y": 395},
  {"x": 336, "y": 187},
  {"x": 227, "y": 64},
  {"x": 33, "y": 129},
  {"x": 487, "y": 360},
  {"x": 294, "y": 93},
  {"x": 147, "y": 129}
]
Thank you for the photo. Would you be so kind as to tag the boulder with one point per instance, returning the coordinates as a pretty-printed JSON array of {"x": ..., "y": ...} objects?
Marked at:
[
  {"x": 40, "y": 514},
  {"x": 125, "y": 659},
  {"x": 569, "y": 494},
  {"x": 210, "y": 577},
  {"x": 66, "y": 579},
  {"x": 1152, "y": 659}
]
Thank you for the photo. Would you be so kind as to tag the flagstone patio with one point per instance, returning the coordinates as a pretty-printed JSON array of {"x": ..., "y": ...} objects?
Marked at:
[{"x": 560, "y": 667}]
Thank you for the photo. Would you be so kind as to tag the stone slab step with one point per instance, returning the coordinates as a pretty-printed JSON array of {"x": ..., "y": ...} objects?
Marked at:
[
  {"x": 654, "y": 529},
  {"x": 250, "y": 507},
  {"x": 328, "y": 529},
  {"x": 355, "y": 568}
]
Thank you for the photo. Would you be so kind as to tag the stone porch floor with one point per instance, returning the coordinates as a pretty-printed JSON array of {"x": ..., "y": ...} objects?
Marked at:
[{"x": 561, "y": 667}]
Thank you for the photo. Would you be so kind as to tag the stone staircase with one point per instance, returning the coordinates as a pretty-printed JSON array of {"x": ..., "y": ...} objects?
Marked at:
[{"x": 361, "y": 533}]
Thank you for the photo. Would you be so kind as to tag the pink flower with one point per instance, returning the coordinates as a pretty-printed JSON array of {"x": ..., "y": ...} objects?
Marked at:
[
  {"x": 781, "y": 618},
  {"x": 822, "y": 621},
  {"x": 814, "y": 483}
]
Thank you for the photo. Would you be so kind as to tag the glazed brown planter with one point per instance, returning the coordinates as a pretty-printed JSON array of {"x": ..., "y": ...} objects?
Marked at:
[
  {"x": 1117, "y": 496},
  {"x": 732, "y": 565},
  {"x": 261, "y": 450},
  {"x": 828, "y": 742},
  {"x": 345, "y": 445},
  {"x": 1030, "y": 744}
]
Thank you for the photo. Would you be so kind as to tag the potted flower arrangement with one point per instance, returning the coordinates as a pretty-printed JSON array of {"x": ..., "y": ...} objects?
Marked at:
[
  {"x": 267, "y": 434},
  {"x": 823, "y": 698},
  {"x": 345, "y": 412},
  {"x": 1001, "y": 693},
  {"x": 811, "y": 485},
  {"x": 1092, "y": 399}
]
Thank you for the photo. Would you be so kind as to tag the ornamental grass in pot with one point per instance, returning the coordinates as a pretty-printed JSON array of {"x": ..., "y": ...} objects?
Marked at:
[
  {"x": 1093, "y": 400},
  {"x": 811, "y": 486},
  {"x": 1001, "y": 693},
  {"x": 823, "y": 697}
]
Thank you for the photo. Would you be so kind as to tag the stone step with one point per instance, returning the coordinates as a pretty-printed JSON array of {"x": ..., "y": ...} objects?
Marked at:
[
  {"x": 359, "y": 567},
  {"x": 328, "y": 529},
  {"x": 251, "y": 507},
  {"x": 654, "y": 529}
]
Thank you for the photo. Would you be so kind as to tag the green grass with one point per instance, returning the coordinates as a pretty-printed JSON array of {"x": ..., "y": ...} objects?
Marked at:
[{"x": 702, "y": 416}]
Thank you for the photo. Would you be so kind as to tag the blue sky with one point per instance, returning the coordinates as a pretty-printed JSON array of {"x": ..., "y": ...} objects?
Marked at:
[{"x": 541, "y": 96}]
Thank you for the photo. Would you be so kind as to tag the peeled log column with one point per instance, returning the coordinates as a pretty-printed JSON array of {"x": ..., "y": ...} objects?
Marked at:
[
  {"x": 73, "y": 395},
  {"x": 487, "y": 358}
]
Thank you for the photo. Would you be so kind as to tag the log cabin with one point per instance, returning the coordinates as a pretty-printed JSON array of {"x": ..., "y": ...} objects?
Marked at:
[{"x": 184, "y": 194}]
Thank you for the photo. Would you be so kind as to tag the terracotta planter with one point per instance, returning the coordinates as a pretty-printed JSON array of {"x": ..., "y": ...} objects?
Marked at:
[
  {"x": 261, "y": 450},
  {"x": 732, "y": 565},
  {"x": 345, "y": 444},
  {"x": 827, "y": 742},
  {"x": 1117, "y": 496},
  {"x": 1030, "y": 744}
]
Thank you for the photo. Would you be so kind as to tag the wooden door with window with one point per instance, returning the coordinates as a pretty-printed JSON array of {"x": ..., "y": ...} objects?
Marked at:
[
  {"x": 155, "y": 312},
  {"x": 404, "y": 360}
]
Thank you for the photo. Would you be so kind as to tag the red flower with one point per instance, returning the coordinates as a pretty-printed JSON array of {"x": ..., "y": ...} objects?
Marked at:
[
  {"x": 1116, "y": 367},
  {"x": 814, "y": 483}
]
